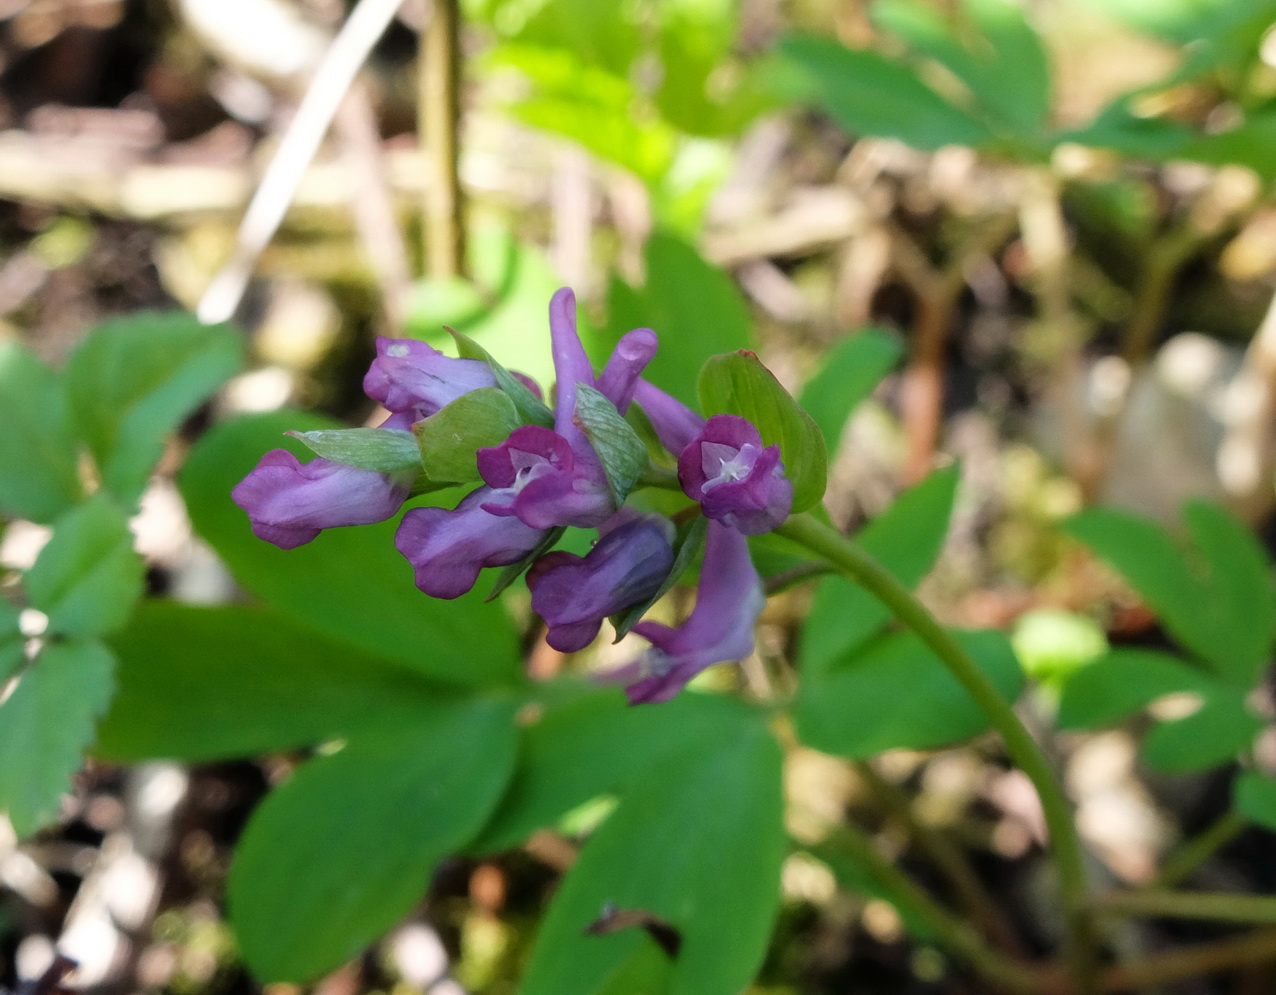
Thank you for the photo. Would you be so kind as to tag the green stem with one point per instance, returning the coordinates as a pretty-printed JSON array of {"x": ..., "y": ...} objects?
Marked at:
[
  {"x": 1023, "y": 749},
  {"x": 952, "y": 933},
  {"x": 1220, "y": 907},
  {"x": 1200, "y": 848}
]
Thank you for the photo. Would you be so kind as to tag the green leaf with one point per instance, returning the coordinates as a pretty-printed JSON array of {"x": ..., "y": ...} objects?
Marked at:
[
  {"x": 133, "y": 380},
  {"x": 906, "y": 539},
  {"x": 694, "y": 307},
  {"x": 45, "y": 725},
  {"x": 738, "y": 384},
  {"x": 1053, "y": 644},
  {"x": 198, "y": 684},
  {"x": 449, "y": 438},
  {"x": 698, "y": 841},
  {"x": 385, "y": 450},
  {"x": 38, "y": 475},
  {"x": 895, "y": 693},
  {"x": 349, "y": 584},
  {"x": 345, "y": 848},
  {"x": 868, "y": 94},
  {"x": 1254, "y": 796},
  {"x": 531, "y": 409},
  {"x": 620, "y": 450},
  {"x": 12, "y": 642},
  {"x": 593, "y": 744},
  {"x": 996, "y": 45},
  {"x": 1242, "y": 596},
  {"x": 1215, "y": 598},
  {"x": 850, "y": 372},
  {"x": 1221, "y": 728},
  {"x": 687, "y": 545},
  {"x": 1121, "y": 683},
  {"x": 88, "y": 577}
]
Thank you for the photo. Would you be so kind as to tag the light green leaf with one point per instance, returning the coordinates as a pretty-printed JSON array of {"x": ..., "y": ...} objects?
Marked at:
[
  {"x": 594, "y": 743},
  {"x": 694, "y": 308},
  {"x": 1221, "y": 728},
  {"x": 868, "y": 94},
  {"x": 1053, "y": 644},
  {"x": 345, "y": 848},
  {"x": 849, "y": 373},
  {"x": 531, "y": 409},
  {"x": 895, "y": 693},
  {"x": 88, "y": 577},
  {"x": 38, "y": 475},
  {"x": 1122, "y": 682},
  {"x": 698, "y": 842},
  {"x": 350, "y": 584},
  {"x": 906, "y": 539},
  {"x": 198, "y": 684},
  {"x": 385, "y": 450},
  {"x": 133, "y": 380},
  {"x": 738, "y": 384},
  {"x": 45, "y": 726},
  {"x": 618, "y": 446},
  {"x": 1254, "y": 796},
  {"x": 450, "y": 437}
]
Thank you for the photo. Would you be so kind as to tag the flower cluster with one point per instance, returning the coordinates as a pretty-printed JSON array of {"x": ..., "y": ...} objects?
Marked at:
[{"x": 546, "y": 477}]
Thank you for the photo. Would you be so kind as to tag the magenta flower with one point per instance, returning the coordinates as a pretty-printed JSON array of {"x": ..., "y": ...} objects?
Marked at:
[
  {"x": 449, "y": 548},
  {"x": 290, "y": 502},
  {"x": 625, "y": 365},
  {"x": 736, "y": 480},
  {"x": 627, "y": 566},
  {"x": 411, "y": 376},
  {"x": 719, "y": 629}
]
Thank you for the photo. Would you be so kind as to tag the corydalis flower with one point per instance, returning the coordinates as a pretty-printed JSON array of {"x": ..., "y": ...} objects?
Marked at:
[
  {"x": 627, "y": 566},
  {"x": 410, "y": 376},
  {"x": 737, "y": 480},
  {"x": 290, "y": 502},
  {"x": 718, "y": 630},
  {"x": 447, "y": 549}
]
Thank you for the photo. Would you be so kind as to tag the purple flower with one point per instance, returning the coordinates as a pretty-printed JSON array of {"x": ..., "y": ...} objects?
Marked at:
[
  {"x": 290, "y": 502},
  {"x": 736, "y": 480},
  {"x": 549, "y": 478},
  {"x": 411, "y": 376},
  {"x": 449, "y": 548},
  {"x": 627, "y": 566},
  {"x": 718, "y": 630},
  {"x": 676, "y": 424},
  {"x": 630, "y": 357}
]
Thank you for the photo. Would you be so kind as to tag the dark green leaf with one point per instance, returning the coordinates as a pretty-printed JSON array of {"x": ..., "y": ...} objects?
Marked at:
[
  {"x": 38, "y": 475},
  {"x": 595, "y": 743},
  {"x": 1221, "y": 728},
  {"x": 531, "y": 409},
  {"x": 345, "y": 848},
  {"x": 850, "y": 371},
  {"x": 868, "y": 94},
  {"x": 698, "y": 842},
  {"x": 906, "y": 539},
  {"x": 1122, "y": 682},
  {"x": 385, "y": 450},
  {"x": 449, "y": 438},
  {"x": 738, "y": 384},
  {"x": 133, "y": 380},
  {"x": 695, "y": 309},
  {"x": 1254, "y": 796},
  {"x": 11, "y": 641},
  {"x": 895, "y": 693},
  {"x": 689, "y": 542},
  {"x": 349, "y": 584},
  {"x": 45, "y": 725},
  {"x": 88, "y": 576},
  {"x": 200, "y": 684},
  {"x": 618, "y": 446}
]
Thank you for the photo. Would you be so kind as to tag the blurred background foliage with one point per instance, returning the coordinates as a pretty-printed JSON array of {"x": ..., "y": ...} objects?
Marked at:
[{"x": 1038, "y": 238}]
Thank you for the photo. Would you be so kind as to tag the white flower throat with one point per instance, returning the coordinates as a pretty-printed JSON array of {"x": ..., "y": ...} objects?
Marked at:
[{"x": 723, "y": 464}]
